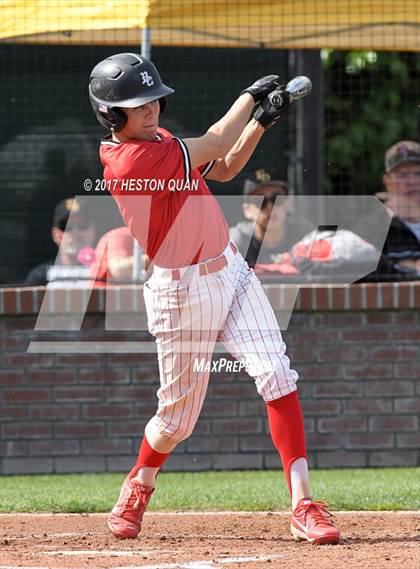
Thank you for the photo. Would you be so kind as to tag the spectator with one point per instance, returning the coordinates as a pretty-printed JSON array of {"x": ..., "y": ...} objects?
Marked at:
[
  {"x": 401, "y": 252},
  {"x": 284, "y": 229},
  {"x": 74, "y": 236},
  {"x": 119, "y": 257}
]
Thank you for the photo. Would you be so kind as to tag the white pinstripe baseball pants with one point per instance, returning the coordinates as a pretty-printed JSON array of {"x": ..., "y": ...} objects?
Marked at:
[{"x": 188, "y": 317}]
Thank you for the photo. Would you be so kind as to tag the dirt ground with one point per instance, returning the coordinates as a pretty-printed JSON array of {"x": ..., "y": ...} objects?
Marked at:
[{"x": 207, "y": 541}]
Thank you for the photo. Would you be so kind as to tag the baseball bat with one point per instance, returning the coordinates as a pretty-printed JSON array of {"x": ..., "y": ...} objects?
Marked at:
[{"x": 297, "y": 88}]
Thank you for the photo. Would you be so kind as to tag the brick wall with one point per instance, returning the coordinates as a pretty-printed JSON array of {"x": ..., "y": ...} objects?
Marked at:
[{"x": 357, "y": 351}]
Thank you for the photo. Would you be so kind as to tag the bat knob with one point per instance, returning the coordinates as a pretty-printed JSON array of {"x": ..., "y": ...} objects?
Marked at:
[{"x": 276, "y": 98}]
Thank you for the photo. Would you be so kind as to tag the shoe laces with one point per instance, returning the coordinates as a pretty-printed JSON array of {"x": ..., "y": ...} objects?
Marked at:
[
  {"x": 138, "y": 498},
  {"x": 318, "y": 512}
]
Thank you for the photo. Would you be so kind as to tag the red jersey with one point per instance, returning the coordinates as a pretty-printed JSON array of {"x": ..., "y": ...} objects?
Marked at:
[{"x": 167, "y": 206}]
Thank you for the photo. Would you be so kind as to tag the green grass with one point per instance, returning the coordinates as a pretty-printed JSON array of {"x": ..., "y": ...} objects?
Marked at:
[{"x": 354, "y": 489}]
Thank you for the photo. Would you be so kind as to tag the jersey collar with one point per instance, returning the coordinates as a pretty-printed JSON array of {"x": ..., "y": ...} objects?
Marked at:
[{"x": 107, "y": 140}]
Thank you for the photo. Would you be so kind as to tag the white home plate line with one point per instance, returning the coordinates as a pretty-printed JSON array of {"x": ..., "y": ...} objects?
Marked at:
[
  {"x": 109, "y": 552},
  {"x": 199, "y": 564},
  {"x": 206, "y": 564}
]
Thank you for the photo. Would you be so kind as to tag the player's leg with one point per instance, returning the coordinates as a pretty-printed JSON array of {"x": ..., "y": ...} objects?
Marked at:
[
  {"x": 185, "y": 321},
  {"x": 252, "y": 335}
]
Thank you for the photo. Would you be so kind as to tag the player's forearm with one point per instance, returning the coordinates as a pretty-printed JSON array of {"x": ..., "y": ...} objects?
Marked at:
[
  {"x": 228, "y": 167},
  {"x": 228, "y": 129},
  {"x": 223, "y": 134}
]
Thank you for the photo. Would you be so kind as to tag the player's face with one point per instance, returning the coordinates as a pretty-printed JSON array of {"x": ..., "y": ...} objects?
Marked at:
[{"x": 142, "y": 122}]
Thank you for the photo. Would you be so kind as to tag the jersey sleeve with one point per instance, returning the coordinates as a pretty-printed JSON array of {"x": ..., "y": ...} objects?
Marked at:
[{"x": 204, "y": 169}]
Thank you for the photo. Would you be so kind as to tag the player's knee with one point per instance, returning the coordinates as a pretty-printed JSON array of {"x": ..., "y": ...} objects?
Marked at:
[
  {"x": 276, "y": 381},
  {"x": 160, "y": 435},
  {"x": 174, "y": 434},
  {"x": 182, "y": 433}
]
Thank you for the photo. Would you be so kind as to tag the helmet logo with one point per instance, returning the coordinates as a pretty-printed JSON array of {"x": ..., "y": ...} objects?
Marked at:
[{"x": 146, "y": 78}]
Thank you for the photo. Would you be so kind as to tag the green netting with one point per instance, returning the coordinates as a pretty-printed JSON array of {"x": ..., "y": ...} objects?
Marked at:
[{"x": 333, "y": 143}]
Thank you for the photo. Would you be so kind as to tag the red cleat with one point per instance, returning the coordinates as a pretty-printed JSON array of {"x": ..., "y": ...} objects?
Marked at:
[
  {"x": 312, "y": 521},
  {"x": 127, "y": 514}
]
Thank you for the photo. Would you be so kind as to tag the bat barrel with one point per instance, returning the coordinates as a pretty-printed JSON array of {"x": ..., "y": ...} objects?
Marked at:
[{"x": 299, "y": 87}]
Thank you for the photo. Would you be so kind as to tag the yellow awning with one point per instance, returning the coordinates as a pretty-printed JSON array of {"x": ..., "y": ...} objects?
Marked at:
[{"x": 340, "y": 24}]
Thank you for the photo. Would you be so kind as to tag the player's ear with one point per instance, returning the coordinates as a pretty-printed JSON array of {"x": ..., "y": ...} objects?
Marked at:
[{"x": 120, "y": 118}]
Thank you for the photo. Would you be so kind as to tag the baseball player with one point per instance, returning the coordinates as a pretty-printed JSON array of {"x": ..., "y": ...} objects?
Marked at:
[{"x": 201, "y": 290}]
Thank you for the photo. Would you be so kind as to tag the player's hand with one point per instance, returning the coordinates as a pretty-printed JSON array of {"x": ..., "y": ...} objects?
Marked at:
[
  {"x": 261, "y": 88},
  {"x": 272, "y": 107}
]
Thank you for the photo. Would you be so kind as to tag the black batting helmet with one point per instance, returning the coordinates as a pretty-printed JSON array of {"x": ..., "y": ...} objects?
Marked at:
[{"x": 124, "y": 80}]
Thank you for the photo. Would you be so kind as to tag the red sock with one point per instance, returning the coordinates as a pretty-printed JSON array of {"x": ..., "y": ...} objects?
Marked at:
[
  {"x": 148, "y": 457},
  {"x": 287, "y": 431}
]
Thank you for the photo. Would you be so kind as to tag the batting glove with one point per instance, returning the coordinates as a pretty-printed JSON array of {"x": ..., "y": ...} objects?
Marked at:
[
  {"x": 262, "y": 87},
  {"x": 272, "y": 107}
]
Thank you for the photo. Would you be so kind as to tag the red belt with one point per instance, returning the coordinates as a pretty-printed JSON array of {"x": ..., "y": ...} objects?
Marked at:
[{"x": 212, "y": 266}]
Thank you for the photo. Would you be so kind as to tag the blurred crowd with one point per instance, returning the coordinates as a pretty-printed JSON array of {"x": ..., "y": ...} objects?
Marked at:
[{"x": 273, "y": 239}]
